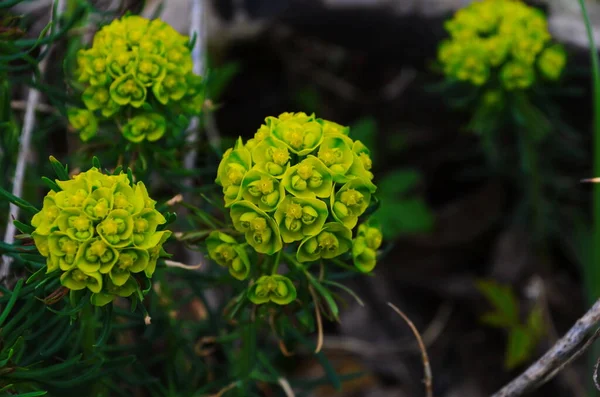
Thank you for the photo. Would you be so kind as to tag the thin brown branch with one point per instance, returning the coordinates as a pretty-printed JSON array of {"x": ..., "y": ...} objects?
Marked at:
[
  {"x": 570, "y": 346},
  {"x": 424, "y": 357}
]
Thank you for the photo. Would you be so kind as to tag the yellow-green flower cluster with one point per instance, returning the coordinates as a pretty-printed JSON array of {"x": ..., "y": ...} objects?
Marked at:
[
  {"x": 503, "y": 39},
  {"x": 300, "y": 181},
  {"x": 134, "y": 68},
  {"x": 99, "y": 231}
]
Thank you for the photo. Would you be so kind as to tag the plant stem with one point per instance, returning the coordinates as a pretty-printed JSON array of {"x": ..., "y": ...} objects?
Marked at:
[
  {"x": 276, "y": 261},
  {"x": 591, "y": 273}
]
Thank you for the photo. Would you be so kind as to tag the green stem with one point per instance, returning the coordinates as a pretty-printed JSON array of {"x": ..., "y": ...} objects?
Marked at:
[
  {"x": 591, "y": 272},
  {"x": 276, "y": 261},
  {"x": 530, "y": 160}
]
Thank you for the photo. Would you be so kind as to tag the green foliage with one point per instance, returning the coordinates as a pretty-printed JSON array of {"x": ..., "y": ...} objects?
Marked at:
[
  {"x": 523, "y": 337},
  {"x": 399, "y": 214}
]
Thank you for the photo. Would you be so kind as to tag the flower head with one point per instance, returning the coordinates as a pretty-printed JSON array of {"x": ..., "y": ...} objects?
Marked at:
[
  {"x": 98, "y": 230},
  {"x": 503, "y": 38},
  {"x": 141, "y": 64}
]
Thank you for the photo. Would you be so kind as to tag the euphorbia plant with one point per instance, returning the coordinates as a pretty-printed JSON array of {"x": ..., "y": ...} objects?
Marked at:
[{"x": 296, "y": 192}]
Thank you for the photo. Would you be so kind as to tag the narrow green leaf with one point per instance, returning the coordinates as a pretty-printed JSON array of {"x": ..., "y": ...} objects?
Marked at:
[
  {"x": 96, "y": 162},
  {"x": 333, "y": 307},
  {"x": 106, "y": 325},
  {"x": 13, "y": 299},
  {"x": 249, "y": 350},
  {"x": 348, "y": 290},
  {"x": 59, "y": 169},
  {"x": 24, "y": 205},
  {"x": 51, "y": 184},
  {"x": 520, "y": 344},
  {"x": 23, "y": 228}
]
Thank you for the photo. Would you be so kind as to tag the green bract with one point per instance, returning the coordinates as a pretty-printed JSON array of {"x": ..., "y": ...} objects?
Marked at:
[
  {"x": 150, "y": 126},
  {"x": 301, "y": 133},
  {"x": 263, "y": 190},
  {"x": 330, "y": 127},
  {"x": 140, "y": 64},
  {"x": 232, "y": 169},
  {"x": 350, "y": 202},
  {"x": 99, "y": 230},
  {"x": 333, "y": 240},
  {"x": 260, "y": 229},
  {"x": 310, "y": 178},
  {"x": 552, "y": 61},
  {"x": 83, "y": 121},
  {"x": 365, "y": 246},
  {"x": 277, "y": 289},
  {"x": 271, "y": 156},
  {"x": 300, "y": 217},
  {"x": 227, "y": 252},
  {"x": 336, "y": 153}
]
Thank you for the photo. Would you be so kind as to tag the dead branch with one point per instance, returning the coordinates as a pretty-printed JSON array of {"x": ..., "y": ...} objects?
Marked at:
[{"x": 568, "y": 348}]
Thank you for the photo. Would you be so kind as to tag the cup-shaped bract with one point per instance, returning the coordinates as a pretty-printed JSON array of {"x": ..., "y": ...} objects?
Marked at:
[
  {"x": 333, "y": 240},
  {"x": 301, "y": 133},
  {"x": 135, "y": 63},
  {"x": 337, "y": 155},
  {"x": 150, "y": 126},
  {"x": 365, "y": 246},
  {"x": 517, "y": 75},
  {"x": 262, "y": 133},
  {"x": 332, "y": 128},
  {"x": 309, "y": 178},
  {"x": 552, "y": 61},
  {"x": 300, "y": 217},
  {"x": 350, "y": 202},
  {"x": 227, "y": 252},
  {"x": 271, "y": 156},
  {"x": 98, "y": 230},
  {"x": 499, "y": 39},
  {"x": 110, "y": 291},
  {"x": 83, "y": 121},
  {"x": 276, "y": 288},
  {"x": 263, "y": 190},
  {"x": 260, "y": 229},
  {"x": 236, "y": 162}
]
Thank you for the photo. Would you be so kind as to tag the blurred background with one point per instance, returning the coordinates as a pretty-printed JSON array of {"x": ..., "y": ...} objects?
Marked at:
[{"x": 462, "y": 241}]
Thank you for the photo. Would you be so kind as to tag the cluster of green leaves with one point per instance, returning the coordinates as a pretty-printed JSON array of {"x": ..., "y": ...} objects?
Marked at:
[{"x": 523, "y": 335}]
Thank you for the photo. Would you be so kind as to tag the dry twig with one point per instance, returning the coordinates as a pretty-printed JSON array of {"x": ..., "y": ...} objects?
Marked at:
[
  {"x": 426, "y": 367},
  {"x": 568, "y": 348}
]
